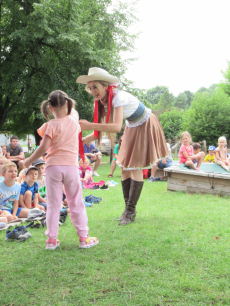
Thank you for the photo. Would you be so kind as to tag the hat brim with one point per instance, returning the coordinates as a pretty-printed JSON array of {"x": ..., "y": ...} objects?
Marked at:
[{"x": 112, "y": 80}]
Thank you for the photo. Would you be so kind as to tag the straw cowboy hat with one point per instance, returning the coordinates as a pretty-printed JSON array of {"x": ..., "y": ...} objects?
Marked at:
[{"x": 98, "y": 74}]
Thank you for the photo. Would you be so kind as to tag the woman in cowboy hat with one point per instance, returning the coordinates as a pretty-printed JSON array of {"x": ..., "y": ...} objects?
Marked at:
[{"x": 143, "y": 140}]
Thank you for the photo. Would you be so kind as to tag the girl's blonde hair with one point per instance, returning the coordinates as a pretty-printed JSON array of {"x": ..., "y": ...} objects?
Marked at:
[
  {"x": 57, "y": 98},
  {"x": 102, "y": 113},
  {"x": 86, "y": 159},
  {"x": 222, "y": 138},
  {"x": 185, "y": 134}
]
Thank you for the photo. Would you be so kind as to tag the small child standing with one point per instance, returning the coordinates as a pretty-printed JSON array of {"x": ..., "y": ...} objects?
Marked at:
[
  {"x": 60, "y": 140},
  {"x": 85, "y": 172},
  {"x": 186, "y": 154},
  {"x": 210, "y": 158},
  {"x": 29, "y": 190},
  {"x": 10, "y": 192},
  {"x": 221, "y": 154}
]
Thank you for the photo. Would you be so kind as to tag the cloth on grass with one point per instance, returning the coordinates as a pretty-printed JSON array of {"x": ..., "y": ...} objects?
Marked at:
[
  {"x": 13, "y": 223},
  {"x": 101, "y": 183}
]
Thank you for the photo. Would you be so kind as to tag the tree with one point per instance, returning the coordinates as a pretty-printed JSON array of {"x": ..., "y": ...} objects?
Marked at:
[
  {"x": 153, "y": 95},
  {"x": 207, "y": 118},
  {"x": 165, "y": 101},
  {"x": 47, "y": 44},
  {"x": 171, "y": 122},
  {"x": 181, "y": 101}
]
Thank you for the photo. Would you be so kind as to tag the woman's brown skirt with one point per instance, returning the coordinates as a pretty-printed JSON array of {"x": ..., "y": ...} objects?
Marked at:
[{"x": 142, "y": 146}]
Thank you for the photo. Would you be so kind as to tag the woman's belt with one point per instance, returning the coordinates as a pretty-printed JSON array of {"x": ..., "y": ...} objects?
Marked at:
[{"x": 138, "y": 113}]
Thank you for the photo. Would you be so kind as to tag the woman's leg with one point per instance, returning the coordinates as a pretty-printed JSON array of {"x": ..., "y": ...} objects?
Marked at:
[
  {"x": 113, "y": 167},
  {"x": 54, "y": 183},
  {"x": 136, "y": 185},
  {"x": 74, "y": 197}
]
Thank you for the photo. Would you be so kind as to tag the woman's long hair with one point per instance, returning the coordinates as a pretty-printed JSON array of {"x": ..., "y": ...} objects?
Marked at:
[{"x": 102, "y": 113}]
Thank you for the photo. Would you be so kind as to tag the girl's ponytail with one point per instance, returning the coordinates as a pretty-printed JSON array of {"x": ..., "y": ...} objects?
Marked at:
[
  {"x": 71, "y": 104},
  {"x": 44, "y": 109}
]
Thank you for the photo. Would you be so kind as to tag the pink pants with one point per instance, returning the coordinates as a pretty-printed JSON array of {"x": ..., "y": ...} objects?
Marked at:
[{"x": 56, "y": 176}]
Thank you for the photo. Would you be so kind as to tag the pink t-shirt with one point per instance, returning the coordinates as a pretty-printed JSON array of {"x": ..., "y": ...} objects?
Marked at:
[
  {"x": 83, "y": 171},
  {"x": 189, "y": 151},
  {"x": 63, "y": 149}
]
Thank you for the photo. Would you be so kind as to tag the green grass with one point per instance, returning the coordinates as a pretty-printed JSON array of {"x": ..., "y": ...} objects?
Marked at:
[{"x": 168, "y": 256}]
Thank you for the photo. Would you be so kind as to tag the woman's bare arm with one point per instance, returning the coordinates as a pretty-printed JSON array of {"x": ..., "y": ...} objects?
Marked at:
[{"x": 114, "y": 127}]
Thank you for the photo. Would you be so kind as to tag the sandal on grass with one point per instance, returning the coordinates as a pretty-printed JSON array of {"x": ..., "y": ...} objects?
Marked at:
[
  {"x": 110, "y": 175},
  {"x": 87, "y": 242}
]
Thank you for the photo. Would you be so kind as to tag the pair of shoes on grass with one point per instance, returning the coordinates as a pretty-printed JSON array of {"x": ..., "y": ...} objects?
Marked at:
[
  {"x": 87, "y": 204},
  {"x": 20, "y": 234},
  {"x": 96, "y": 187},
  {"x": 93, "y": 199},
  {"x": 85, "y": 243},
  {"x": 154, "y": 179}
]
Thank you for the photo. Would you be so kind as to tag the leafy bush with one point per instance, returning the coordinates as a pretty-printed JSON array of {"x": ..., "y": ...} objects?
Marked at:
[
  {"x": 171, "y": 122},
  {"x": 208, "y": 117}
]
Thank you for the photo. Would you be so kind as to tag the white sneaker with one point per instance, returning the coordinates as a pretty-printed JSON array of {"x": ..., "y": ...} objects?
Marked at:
[
  {"x": 95, "y": 173},
  {"x": 110, "y": 184}
]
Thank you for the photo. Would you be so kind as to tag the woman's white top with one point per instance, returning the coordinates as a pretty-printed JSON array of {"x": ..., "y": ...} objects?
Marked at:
[{"x": 130, "y": 105}]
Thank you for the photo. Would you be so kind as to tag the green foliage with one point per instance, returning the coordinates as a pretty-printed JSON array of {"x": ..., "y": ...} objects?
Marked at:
[
  {"x": 207, "y": 118},
  {"x": 181, "y": 101},
  {"x": 46, "y": 45},
  {"x": 153, "y": 95},
  {"x": 165, "y": 101},
  {"x": 171, "y": 122}
]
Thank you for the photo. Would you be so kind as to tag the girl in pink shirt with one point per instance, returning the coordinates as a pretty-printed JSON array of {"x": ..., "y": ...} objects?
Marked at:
[
  {"x": 85, "y": 172},
  {"x": 186, "y": 155},
  {"x": 60, "y": 141}
]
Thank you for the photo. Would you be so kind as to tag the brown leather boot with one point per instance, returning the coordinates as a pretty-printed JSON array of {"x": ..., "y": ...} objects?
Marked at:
[
  {"x": 125, "y": 188},
  {"x": 134, "y": 194}
]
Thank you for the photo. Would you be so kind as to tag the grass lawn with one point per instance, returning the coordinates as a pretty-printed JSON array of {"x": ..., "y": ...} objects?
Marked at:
[{"x": 175, "y": 253}]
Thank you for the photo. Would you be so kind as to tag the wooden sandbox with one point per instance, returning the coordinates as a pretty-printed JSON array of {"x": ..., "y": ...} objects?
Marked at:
[{"x": 197, "y": 182}]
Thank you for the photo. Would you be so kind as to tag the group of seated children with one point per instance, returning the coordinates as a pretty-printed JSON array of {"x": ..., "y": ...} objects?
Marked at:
[
  {"x": 16, "y": 198},
  {"x": 192, "y": 156}
]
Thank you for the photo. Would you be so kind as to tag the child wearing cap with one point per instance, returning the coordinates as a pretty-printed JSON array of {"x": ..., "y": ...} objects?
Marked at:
[
  {"x": 41, "y": 181},
  {"x": 9, "y": 194},
  {"x": 29, "y": 190},
  {"x": 210, "y": 158}
]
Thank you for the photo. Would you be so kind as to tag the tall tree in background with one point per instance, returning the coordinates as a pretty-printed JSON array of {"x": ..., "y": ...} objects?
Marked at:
[
  {"x": 47, "y": 44},
  {"x": 153, "y": 95}
]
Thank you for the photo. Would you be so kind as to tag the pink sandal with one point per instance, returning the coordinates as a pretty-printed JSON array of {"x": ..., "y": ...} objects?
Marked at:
[
  {"x": 87, "y": 242},
  {"x": 52, "y": 244}
]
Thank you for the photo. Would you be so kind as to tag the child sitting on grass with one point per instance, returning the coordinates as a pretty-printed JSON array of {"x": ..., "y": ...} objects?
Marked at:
[
  {"x": 29, "y": 190},
  {"x": 210, "y": 158},
  {"x": 186, "y": 154},
  {"x": 10, "y": 192},
  {"x": 221, "y": 154},
  {"x": 85, "y": 172},
  {"x": 41, "y": 181},
  {"x": 3, "y": 160}
]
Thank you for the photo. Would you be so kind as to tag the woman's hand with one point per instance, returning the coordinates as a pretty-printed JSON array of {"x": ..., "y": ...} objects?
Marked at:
[
  {"x": 26, "y": 162},
  {"x": 85, "y": 125}
]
